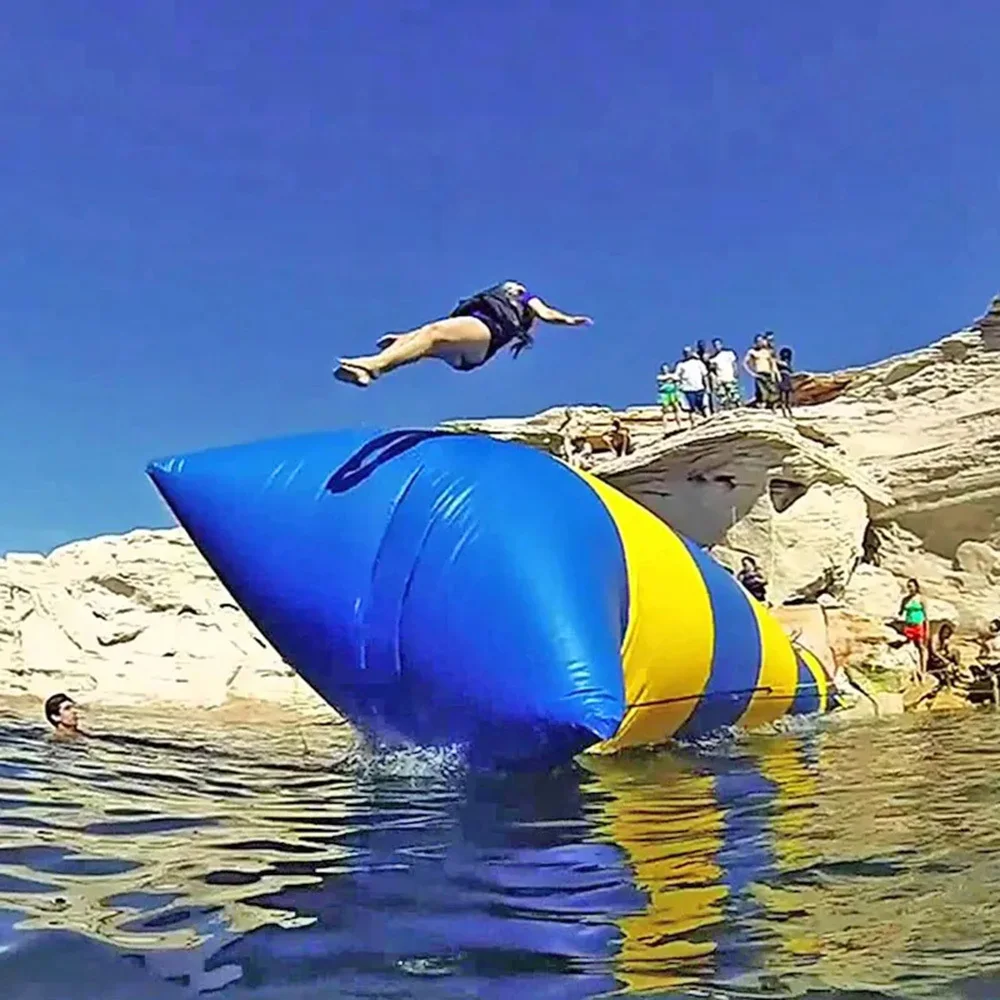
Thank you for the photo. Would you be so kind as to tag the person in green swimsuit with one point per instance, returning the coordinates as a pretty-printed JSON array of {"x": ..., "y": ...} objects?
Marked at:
[
  {"x": 669, "y": 396},
  {"x": 914, "y": 616}
]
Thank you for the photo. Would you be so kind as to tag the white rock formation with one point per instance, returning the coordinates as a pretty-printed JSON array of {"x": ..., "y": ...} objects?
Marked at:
[{"x": 133, "y": 619}]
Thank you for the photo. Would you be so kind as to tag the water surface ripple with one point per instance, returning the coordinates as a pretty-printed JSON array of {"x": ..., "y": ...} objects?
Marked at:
[{"x": 833, "y": 861}]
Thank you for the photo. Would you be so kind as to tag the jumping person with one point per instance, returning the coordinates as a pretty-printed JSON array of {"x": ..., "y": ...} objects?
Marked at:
[{"x": 474, "y": 331}]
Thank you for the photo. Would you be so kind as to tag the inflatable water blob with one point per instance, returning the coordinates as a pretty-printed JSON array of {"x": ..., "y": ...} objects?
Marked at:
[{"x": 445, "y": 589}]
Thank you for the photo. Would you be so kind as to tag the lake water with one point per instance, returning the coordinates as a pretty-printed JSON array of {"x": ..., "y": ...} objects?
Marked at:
[{"x": 842, "y": 860}]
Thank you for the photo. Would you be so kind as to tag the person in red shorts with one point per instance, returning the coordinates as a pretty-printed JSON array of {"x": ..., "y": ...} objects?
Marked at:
[{"x": 914, "y": 615}]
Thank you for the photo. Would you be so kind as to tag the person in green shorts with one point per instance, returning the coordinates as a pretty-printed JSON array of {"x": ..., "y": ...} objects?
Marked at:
[{"x": 669, "y": 396}]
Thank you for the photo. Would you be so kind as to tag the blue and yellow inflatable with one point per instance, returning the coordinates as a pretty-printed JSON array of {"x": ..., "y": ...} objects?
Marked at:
[{"x": 439, "y": 588}]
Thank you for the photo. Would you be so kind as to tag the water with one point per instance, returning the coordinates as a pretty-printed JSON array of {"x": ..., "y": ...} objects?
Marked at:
[{"x": 838, "y": 861}]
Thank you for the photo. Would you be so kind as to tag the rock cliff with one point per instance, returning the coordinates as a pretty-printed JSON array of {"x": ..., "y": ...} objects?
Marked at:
[
  {"x": 133, "y": 619},
  {"x": 887, "y": 472}
]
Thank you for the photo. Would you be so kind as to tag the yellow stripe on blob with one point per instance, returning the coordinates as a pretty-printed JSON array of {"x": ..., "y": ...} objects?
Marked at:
[
  {"x": 818, "y": 672},
  {"x": 777, "y": 682},
  {"x": 667, "y": 650},
  {"x": 680, "y": 670}
]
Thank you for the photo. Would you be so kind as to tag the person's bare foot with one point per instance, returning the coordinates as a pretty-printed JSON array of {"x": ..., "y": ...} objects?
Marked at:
[{"x": 354, "y": 373}]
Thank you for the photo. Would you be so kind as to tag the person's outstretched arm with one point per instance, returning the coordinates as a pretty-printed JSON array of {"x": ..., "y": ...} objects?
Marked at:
[{"x": 549, "y": 315}]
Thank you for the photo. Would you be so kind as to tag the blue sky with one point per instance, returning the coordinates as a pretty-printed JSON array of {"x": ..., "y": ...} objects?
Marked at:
[{"x": 203, "y": 205}]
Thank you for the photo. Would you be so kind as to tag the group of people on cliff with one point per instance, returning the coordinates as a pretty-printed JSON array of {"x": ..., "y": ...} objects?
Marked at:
[{"x": 706, "y": 381}]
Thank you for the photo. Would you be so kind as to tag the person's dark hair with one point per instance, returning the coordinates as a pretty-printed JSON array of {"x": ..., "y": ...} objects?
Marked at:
[
  {"x": 53, "y": 706},
  {"x": 521, "y": 341},
  {"x": 916, "y": 585},
  {"x": 946, "y": 631},
  {"x": 785, "y": 354},
  {"x": 750, "y": 561},
  {"x": 996, "y": 624}
]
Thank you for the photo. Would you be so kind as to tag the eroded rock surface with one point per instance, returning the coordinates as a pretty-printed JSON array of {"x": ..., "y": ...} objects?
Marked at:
[{"x": 133, "y": 619}]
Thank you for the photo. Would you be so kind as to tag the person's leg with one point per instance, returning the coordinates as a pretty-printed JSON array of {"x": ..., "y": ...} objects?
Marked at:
[
  {"x": 457, "y": 340},
  {"x": 687, "y": 407}
]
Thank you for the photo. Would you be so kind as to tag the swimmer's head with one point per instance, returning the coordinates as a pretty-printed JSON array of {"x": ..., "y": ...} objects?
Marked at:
[
  {"x": 61, "y": 712},
  {"x": 513, "y": 288}
]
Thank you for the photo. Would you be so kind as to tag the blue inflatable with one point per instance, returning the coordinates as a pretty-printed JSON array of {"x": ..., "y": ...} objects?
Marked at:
[{"x": 438, "y": 588}]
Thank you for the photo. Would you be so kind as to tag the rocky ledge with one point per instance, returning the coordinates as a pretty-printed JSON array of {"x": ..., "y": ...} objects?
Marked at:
[{"x": 887, "y": 472}]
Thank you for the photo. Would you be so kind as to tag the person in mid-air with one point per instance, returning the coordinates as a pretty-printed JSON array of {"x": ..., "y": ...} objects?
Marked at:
[{"x": 467, "y": 338}]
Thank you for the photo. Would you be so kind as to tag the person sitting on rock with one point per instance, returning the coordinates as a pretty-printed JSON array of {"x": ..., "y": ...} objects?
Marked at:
[
  {"x": 989, "y": 646},
  {"x": 619, "y": 439},
  {"x": 62, "y": 714},
  {"x": 914, "y": 614},
  {"x": 944, "y": 661},
  {"x": 753, "y": 579}
]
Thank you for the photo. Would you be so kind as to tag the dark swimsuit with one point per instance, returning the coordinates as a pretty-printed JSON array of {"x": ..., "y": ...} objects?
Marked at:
[{"x": 507, "y": 317}]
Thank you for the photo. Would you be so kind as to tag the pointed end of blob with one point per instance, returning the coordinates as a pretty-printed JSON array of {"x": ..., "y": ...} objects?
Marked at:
[
  {"x": 160, "y": 468},
  {"x": 161, "y": 471}
]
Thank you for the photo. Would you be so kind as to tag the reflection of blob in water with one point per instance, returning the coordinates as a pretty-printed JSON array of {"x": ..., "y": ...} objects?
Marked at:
[
  {"x": 256, "y": 867},
  {"x": 701, "y": 834}
]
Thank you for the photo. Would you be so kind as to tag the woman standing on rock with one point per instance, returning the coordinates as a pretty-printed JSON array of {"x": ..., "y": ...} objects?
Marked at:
[
  {"x": 914, "y": 615},
  {"x": 467, "y": 338}
]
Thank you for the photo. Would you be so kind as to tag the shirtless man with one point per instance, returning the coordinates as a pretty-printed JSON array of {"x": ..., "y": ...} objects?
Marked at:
[
  {"x": 761, "y": 365},
  {"x": 63, "y": 716}
]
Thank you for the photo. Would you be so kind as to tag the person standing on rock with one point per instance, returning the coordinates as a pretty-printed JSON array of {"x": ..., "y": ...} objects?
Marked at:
[
  {"x": 784, "y": 367},
  {"x": 725, "y": 375},
  {"x": 701, "y": 352},
  {"x": 692, "y": 381},
  {"x": 669, "y": 396},
  {"x": 761, "y": 365},
  {"x": 914, "y": 614},
  {"x": 476, "y": 329}
]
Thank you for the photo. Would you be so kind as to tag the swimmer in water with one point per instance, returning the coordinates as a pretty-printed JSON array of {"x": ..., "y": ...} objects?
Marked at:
[
  {"x": 476, "y": 329},
  {"x": 63, "y": 715}
]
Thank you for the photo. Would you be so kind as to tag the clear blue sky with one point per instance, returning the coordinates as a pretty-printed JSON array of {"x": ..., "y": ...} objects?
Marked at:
[{"x": 203, "y": 204}]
